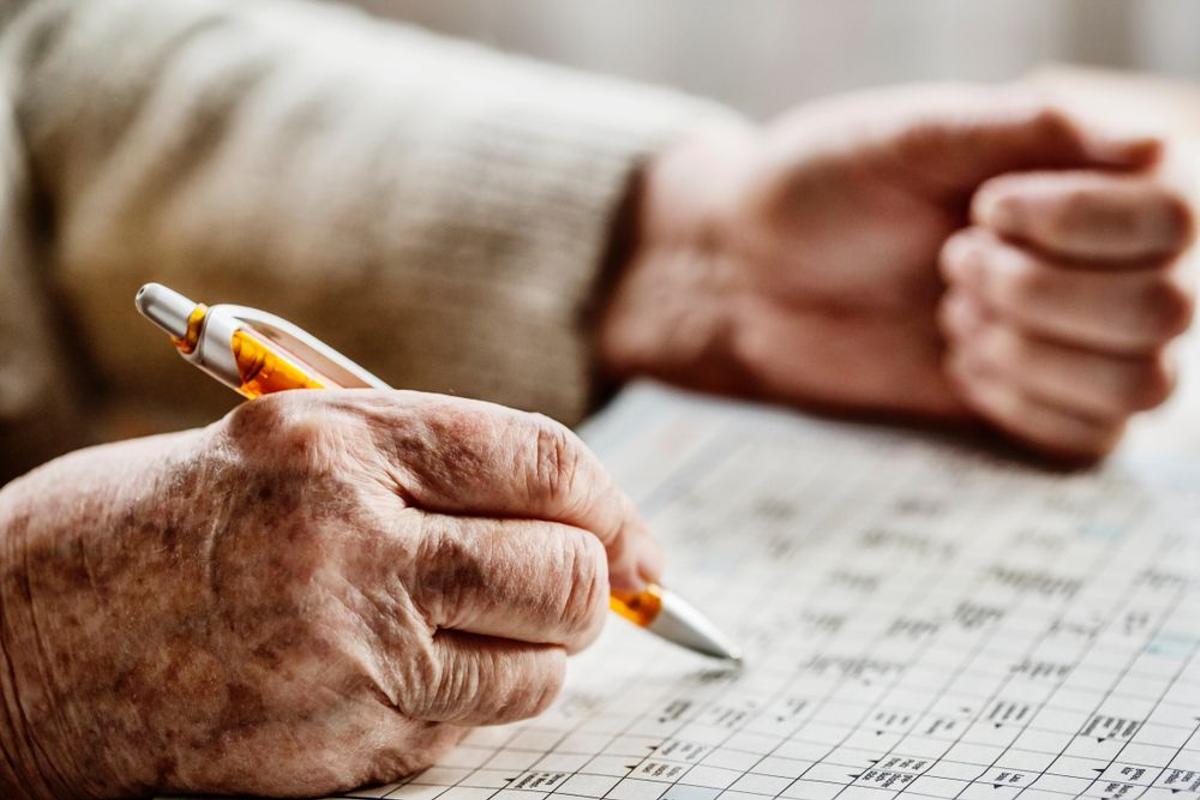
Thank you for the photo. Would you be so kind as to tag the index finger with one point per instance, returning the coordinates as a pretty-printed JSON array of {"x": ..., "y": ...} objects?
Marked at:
[
  {"x": 1087, "y": 215},
  {"x": 456, "y": 456},
  {"x": 525, "y": 580}
]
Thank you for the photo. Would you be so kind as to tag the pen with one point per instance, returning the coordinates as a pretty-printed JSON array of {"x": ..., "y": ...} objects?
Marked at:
[{"x": 256, "y": 353}]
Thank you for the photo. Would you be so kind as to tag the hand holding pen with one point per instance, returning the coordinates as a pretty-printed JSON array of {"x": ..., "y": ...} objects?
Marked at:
[
  {"x": 321, "y": 590},
  {"x": 255, "y": 354}
]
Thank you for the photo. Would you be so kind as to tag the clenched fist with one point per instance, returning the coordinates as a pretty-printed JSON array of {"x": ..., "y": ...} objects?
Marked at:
[
  {"x": 317, "y": 592},
  {"x": 943, "y": 252}
]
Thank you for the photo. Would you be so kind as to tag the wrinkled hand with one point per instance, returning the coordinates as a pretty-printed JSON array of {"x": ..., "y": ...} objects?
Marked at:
[
  {"x": 935, "y": 252},
  {"x": 318, "y": 592}
]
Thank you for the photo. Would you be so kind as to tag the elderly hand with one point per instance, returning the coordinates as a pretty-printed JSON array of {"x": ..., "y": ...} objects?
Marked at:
[
  {"x": 318, "y": 592},
  {"x": 938, "y": 252}
]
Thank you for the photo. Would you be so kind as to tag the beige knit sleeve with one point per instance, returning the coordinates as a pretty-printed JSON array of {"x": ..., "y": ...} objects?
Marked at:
[{"x": 436, "y": 210}]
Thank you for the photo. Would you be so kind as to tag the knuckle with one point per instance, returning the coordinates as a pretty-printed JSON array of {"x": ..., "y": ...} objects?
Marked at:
[
  {"x": 550, "y": 688},
  {"x": 587, "y": 598},
  {"x": 1000, "y": 206},
  {"x": 289, "y": 427},
  {"x": 1179, "y": 216},
  {"x": 1006, "y": 348},
  {"x": 302, "y": 438},
  {"x": 455, "y": 420},
  {"x": 421, "y": 675},
  {"x": 448, "y": 575},
  {"x": 960, "y": 317},
  {"x": 557, "y": 459},
  {"x": 263, "y": 415},
  {"x": 457, "y": 687},
  {"x": 1170, "y": 306},
  {"x": 1152, "y": 383},
  {"x": 440, "y": 447},
  {"x": 525, "y": 684},
  {"x": 1052, "y": 123},
  {"x": 957, "y": 255},
  {"x": 1023, "y": 282},
  {"x": 522, "y": 685}
]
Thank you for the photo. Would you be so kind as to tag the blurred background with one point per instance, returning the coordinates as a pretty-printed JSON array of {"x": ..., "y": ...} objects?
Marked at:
[{"x": 762, "y": 56}]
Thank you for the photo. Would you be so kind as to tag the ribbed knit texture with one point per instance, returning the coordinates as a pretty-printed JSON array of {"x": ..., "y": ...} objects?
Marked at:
[{"x": 438, "y": 211}]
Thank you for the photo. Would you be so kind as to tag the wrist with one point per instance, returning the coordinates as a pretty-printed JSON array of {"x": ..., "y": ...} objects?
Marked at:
[{"x": 669, "y": 253}]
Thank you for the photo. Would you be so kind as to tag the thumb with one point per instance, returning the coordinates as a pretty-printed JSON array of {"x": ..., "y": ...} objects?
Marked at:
[
  {"x": 1104, "y": 145},
  {"x": 976, "y": 134}
]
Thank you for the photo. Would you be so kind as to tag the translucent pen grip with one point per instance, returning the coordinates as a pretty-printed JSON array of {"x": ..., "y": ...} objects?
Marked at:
[{"x": 267, "y": 368}]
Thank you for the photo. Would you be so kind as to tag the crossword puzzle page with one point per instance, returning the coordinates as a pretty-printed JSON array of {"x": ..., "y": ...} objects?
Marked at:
[{"x": 920, "y": 619}]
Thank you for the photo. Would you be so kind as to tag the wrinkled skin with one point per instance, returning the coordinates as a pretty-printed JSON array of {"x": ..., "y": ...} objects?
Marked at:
[
  {"x": 948, "y": 253},
  {"x": 318, "y": 592}
]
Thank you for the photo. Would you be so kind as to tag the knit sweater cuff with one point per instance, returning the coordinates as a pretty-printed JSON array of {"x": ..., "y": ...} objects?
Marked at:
[{"x": 525, "y": 198}]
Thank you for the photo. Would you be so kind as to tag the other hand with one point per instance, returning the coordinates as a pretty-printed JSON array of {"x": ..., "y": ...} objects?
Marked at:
[
  {"x": 945, "y": 253},
  {"x": 322, "y": 590}
]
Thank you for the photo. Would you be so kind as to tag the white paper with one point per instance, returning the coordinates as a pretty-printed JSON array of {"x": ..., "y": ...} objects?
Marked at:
[{"x": 921, "y": 619}]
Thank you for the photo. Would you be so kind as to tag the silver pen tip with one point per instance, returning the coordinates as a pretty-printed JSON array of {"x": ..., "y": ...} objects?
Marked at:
[
  {"x": 166, "y": 308},
  {"x": 682, "y": 623}
]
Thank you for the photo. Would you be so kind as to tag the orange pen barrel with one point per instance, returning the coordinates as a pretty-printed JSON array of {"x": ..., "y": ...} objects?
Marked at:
[{"x": 640, "y": 608}]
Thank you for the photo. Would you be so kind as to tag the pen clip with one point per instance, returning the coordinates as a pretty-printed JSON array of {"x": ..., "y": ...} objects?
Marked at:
[{"x": 308, "y": 348}]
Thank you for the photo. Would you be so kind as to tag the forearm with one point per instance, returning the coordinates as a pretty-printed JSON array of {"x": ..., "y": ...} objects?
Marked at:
[{"x": 453, "y": 204}]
